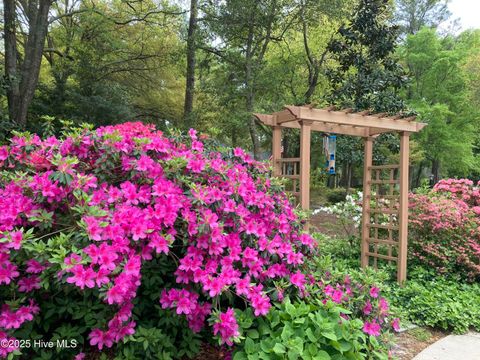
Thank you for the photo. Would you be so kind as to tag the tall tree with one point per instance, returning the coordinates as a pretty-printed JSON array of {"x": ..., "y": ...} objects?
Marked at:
[
  {"x": 191, "y": 60},
  {"x": 412, "y": 15},
  {"x": 241, "y": 32},
  {"x": 368, "y": 76},
  {"x": 22, "y": 68},
  {"x": 441, "y": 94}
]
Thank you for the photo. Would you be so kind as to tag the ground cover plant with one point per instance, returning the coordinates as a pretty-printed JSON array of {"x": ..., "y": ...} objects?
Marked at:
[
  {"x": 138, "y": 245},
  {"x": 443, "y": 301}
]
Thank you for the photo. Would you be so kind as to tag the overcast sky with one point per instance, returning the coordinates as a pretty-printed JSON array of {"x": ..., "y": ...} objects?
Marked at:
[{"x": 468, "y": 11}]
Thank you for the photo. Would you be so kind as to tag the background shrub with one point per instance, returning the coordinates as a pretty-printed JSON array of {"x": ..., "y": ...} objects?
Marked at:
[{"x": 445, "y": 228}]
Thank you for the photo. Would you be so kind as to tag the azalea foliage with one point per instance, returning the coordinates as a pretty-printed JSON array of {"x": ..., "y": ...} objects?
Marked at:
[
  {"x": 101, "y": 205},
  {"x": 445, "y": 228}
]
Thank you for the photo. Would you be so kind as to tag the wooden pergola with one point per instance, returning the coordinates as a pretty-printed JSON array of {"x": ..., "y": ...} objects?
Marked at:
[{"x": 385, "y": 187}]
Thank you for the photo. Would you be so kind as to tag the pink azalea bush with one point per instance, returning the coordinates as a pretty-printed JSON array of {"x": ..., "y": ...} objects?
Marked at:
[
  {"x": 87, "y": 214},
  {"x": 445, "y": 228}
]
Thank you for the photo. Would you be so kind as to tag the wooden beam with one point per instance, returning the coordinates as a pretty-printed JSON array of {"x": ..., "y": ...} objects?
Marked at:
[
  {"x": 269, "y": 120},
  {"x": 276, "y": 150},
  {"x": 340, "y": 118},
  {"x": 265, "y": 119},
  {"x": 284, "y": 116},
  {"x": 305, "y": 137},
  {"x": 367, "y": 178},
  {"x": 403, "y": 208},
  {"x": 339, "y": 129}
]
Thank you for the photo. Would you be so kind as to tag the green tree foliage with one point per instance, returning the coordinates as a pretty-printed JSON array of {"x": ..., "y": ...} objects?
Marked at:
[
  {"x": 442, "y": 93},
  {"x": 412, "y": 15},
  {"x": 367, "y": 76}
]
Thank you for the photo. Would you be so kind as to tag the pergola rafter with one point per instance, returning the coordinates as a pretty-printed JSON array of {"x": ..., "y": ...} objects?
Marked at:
[{"x": 390, "y": 199}]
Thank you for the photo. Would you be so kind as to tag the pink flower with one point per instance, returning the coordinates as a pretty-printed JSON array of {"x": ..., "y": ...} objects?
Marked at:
[
  {"x": 337, "y": 296},
  {"x": 298, "y": 279},
  {"x": 16, "y": 240},
  {"x": 383, "y": 306},
  {"x": 261, "y": 304},
  {"x": 396, "y": 324},
  {"x": 34, "y": 267},
  {"x": 8, "y": 272},
  {"x": 374, "y": 292},
  {"x": 28, "y": 284},
  {"x": 227, "y": 327},
  {"x": 367, "y": 309},
  {"x": 185, "y": 306},
  {"x": 100, "y": 338},
  {"x": 82, "y": 277},
  {"x": 371, "y": 328}
]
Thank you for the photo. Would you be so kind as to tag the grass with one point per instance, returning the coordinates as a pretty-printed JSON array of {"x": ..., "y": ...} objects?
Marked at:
[{"x": 420, "y": 334}]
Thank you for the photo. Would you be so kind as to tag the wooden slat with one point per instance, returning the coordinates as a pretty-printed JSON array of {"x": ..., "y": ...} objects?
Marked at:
[
  {"x": 276, "y": 150},
  {"x": 384, "y": 167},
  {"x": 384, "y": 182},
  {"x": 382, "y": 241},
  {"x": 386, "y": 227},
  {"x": 383, "y": 211},
  {"x": 367, "y": 176},
  {"x": 403, "y": 216},
  {"x": 285, "y": 160},
  {"x": 386, "y": 197},
  {"x": 381, "y": 256},
  {"x": 305, "y": 139},
  {"x": 291, "y": 176}
]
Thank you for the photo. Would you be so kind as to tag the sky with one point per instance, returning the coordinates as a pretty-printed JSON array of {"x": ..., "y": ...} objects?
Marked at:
[{"x": 467, "y": 11}]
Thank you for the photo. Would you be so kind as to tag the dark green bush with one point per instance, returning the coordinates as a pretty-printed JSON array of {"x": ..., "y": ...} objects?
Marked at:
[
  {"x": 437, "y": 301},
  {"x": 336, "y": 195}
]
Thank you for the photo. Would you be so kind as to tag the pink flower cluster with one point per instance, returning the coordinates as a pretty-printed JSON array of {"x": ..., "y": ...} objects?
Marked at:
[
  {"x": 445, "y": 227},
  {"x": 364, "y": 302},
  {"x": 138, "y": 195},
  {"x": 226, "y": 326}
]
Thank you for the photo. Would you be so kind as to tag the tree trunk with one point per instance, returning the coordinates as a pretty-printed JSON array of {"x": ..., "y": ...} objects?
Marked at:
[
  {"x": 19, "y": 100},
  {"x": 436, "y": 170},
  {"x": 13, "y": 89},
  {"x": 190, "y": 83},
  {"x": 349, "y": 175},
  {"x": 249, "y": 101}
]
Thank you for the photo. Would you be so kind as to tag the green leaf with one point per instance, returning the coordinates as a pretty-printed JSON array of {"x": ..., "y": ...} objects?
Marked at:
[
  {"x": 322, "y": 355},
  {"x": 310, "y": 335},
  {"x": 279, "y": 348},
  {"x": 249, "y": 346}
]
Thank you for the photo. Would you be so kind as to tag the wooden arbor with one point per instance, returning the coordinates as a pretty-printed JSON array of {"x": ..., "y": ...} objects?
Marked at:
[{"x": 385, "y": 209}]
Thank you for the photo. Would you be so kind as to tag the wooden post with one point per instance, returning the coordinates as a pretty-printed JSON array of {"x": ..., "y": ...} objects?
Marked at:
[
  {"x": 403, "y": 208},
  {"x": 367, "y": 177},
  {"x": 276, "y": 150},
  {"x": 305, "y": 135}
]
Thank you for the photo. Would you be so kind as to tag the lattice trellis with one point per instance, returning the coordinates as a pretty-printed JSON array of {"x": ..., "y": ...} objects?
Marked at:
[
  {"x": 289, "y": 168},
  {"x": 382, "y": 220}
]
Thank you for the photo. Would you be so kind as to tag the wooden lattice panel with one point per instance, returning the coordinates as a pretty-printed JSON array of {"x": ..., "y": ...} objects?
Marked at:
[
  {"x": 382, "y": 214},
  {"x": 290, "y": 170}
]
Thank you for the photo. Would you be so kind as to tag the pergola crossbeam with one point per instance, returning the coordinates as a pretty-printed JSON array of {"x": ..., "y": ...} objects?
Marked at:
[{"x": 357, "y": 119}]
